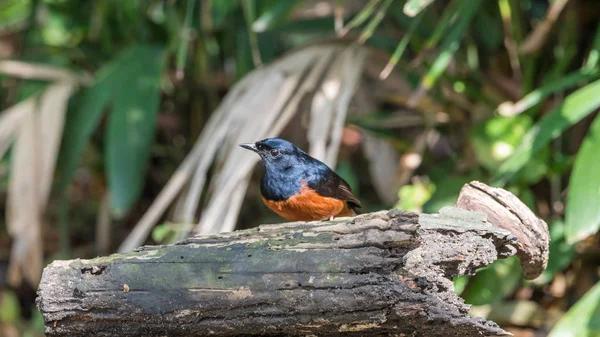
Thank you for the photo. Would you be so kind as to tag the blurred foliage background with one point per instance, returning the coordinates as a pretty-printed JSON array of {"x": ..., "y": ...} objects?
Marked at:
[{"x": 103, "y": 102}]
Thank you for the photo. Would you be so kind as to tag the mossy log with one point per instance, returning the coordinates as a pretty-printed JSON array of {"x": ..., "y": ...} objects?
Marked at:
[{"x": 377, "y": 274}]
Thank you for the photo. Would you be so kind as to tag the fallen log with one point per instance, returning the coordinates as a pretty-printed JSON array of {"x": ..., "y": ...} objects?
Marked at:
[{"x": 381, "y": 274}]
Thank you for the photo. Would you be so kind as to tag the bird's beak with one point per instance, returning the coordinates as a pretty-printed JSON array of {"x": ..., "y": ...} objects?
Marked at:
[{"x": 250, "y": 146}]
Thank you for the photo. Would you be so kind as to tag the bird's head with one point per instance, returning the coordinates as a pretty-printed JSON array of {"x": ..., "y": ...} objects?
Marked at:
[{"x": 276, "y": 153}]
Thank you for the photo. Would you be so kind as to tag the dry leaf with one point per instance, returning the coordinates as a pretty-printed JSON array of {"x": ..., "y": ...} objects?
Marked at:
[
  {"x": 41, "y": 72},
  {"x": 51, "y": 118},
  {"x": 38, "y": 129},
  {"x": 259, "y": 106},
  {"x": 383, "y": 167},
  {"x": 23, "y": 207},
  {"x": 11, "y": 120}
]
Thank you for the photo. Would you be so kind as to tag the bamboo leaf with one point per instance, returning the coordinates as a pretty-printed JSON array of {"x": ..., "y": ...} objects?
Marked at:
[
  {"x": 441, "y": 28},
  {"x": 82, "y": 122},
  {"x": 583, "y": 200},
  {"x": 361, "y": 17},
  {"x": 250, "y": 16},
  {"x": 538, "y": 95},
  {"x": 414, "y": 7},
  {"x": 374, "y": 23},
  {"x": 184, "y": 40},
  {"x": 467, "y": 10},
  {"x": 273, "y": 15},
  {"x": 307, "y": 27},
  {"x": 575, "y": 107},
  {"x": 594, "y": 54},
  {"x": 400, "y": 48},
  {"x": 131, "y": 125},
  {"x": 495, "y": 140},
  {"x": 582, "y": 320},
  {"x": 220, "y": 9},
  {"x": 129, "y": 84},
  {"x": 14, "y": 14}
]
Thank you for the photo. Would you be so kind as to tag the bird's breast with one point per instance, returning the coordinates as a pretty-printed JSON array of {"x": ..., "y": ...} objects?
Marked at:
[
  {"x": 307, "y": 205},
  {"x": 279, "y": 186}
]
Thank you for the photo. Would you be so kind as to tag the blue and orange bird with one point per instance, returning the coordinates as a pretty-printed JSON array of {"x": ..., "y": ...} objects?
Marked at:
[{"x": 299, "y": 187}]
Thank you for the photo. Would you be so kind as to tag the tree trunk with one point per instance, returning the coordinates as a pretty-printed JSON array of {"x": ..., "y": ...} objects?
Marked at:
[{"x": 384, "y": 273}]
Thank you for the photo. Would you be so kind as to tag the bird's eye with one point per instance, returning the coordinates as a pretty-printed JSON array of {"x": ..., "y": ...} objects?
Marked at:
[{"x": 274, "y": 153}]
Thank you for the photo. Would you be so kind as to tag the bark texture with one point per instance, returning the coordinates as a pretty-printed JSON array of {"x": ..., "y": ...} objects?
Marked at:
[
  {"x": 378, "y": 274},
  {"x": 504, "y": 210}
]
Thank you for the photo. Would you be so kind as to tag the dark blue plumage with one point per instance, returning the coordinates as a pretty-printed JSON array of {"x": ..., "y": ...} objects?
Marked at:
[
  {"x": 289, "y": 172},
  {"x": 284, "y": 173}
]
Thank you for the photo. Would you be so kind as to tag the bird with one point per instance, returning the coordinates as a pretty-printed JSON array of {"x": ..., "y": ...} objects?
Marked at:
[{"x": 299, "y": 187}]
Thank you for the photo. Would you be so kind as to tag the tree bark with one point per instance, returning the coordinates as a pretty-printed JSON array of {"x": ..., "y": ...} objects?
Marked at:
[{"x": 384, "y": 273}]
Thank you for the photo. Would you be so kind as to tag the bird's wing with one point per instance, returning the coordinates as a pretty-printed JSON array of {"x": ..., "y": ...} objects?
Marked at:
[{"x": 332, "y": 185}]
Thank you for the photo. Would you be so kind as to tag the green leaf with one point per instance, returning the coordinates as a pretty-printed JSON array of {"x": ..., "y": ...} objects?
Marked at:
[
  {"x": 536, "y": 96},
  {"x": 14, "y": 13},
  {"x": 164, "y": 233},
  {"x": 460, "y": 283},
  {"x": 220, "y": 10},
  {"x": 414, "y": 7},
  {"x": 362, "y": 16},
  {"x": 447, "y": 187},
  {"x": 466, "y": 11},
  {"x": 445, "y": 21},
  {"x": 575, "y": 107},
  {"x": 495, "y": 140},
  {"x": 309, "y": 28},
  {"x": 36, "y": 324},
  {"x": 184, "y": 40},
  {"x": 561, "y": 254},
  {"x": 494, "y": 282},
  {"x": 536, "y": 169},
  {"x": 583, "y": 200},
  {"x": 583, "y": 319},
  {"x": 243, "y": 55},
  {"x": 403, "y": 21},
  {"x": 130, "y": 131},
  {"x": 486, "y": 30},
  {"x": 60, "y": 29},
  {"x": 81, "y": 123},
  {"x": 413, "y": 197},
  {"x": 593, "y": 58},
  {"x": 399, "y": 51},
  {"x": 10, "y": 309},
  {"x": 273, "y": 15},
  {"x": 374, "y": 23},
  {"x": 118, "y": 82},
  {"x": 249, "y": 16}
]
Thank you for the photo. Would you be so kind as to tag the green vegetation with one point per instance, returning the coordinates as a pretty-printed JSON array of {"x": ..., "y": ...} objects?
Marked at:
[{"x": 102, "y": 101}]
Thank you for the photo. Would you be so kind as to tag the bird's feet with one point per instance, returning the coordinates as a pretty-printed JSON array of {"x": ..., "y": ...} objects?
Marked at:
[{"x": 331, "y": 218}]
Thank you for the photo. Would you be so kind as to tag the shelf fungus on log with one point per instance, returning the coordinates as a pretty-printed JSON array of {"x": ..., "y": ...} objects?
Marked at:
[{"x": 378, "y": 274}]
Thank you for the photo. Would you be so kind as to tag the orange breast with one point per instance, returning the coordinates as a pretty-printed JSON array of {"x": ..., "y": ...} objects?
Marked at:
[{"x": 308, "y": 205}]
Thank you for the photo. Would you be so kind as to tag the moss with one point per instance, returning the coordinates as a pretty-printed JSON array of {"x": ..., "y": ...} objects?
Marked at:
[
  {"x": 116, "y": 258},
  {"x": 197, "y": 267}
]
